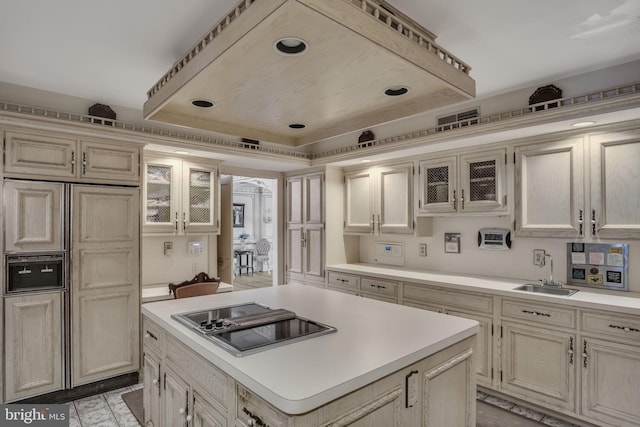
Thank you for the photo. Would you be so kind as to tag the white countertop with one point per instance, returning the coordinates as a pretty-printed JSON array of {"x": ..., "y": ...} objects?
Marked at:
[
  {"x": 161, "y": 292},
  {"x": 374, "y": 339},
  {"x": 628, "y": 302}
]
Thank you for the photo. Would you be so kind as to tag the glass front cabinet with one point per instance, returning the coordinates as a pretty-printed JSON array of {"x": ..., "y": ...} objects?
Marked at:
[
  {"x": 464, "y": 183},
  {"x": 181, "y": 196}
]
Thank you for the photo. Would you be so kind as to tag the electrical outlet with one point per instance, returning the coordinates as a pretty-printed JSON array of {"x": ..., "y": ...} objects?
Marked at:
[
  {"x": 195, "y": 268},
  {"x": 538, "y": 257},
  {"x": 423, "y": 249}
]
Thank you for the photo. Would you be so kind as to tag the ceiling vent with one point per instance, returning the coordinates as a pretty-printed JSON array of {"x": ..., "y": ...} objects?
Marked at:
[
  {"x": 454, "y": 121},
  {"x": 251, "y": 66}
]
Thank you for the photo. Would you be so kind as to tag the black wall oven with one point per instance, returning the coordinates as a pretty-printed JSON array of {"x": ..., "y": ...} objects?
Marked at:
[{"x": 33, "y": 272}]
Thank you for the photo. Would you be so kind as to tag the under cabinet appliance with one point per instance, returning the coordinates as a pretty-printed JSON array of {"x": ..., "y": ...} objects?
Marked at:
[
  {"x": 251, "y": 327},
  {"x": 45, "y": 348}
]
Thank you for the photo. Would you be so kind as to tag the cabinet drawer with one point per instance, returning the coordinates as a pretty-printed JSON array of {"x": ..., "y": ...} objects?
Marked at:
[
  {"x": 250, "y": 407},
  {"x": 454, "y": 299},
  {"x": 539, "y": 313},
  {"x": 627, "y": 327},
  {"x": 216, "y": 383},
  {"x": 378, "y": 286},
  {"x": 152, "y": 336},
  {"x": 343, "y": 280}
]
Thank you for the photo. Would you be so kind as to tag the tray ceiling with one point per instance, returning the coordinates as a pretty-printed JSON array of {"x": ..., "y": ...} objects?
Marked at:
[{"x": 336, "y": 86}]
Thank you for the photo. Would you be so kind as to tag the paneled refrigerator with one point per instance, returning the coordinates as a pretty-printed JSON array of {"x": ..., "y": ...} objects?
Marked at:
[{"x": 71, "y": 285}]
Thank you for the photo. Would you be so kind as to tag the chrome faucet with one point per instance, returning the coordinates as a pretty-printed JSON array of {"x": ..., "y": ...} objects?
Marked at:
[{"x": 550, "y": 282}]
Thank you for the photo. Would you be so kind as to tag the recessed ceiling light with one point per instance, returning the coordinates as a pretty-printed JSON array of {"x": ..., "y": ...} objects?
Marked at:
[
  {"x": 202, "y": 103},
  {"x": 290, "y": 46},
  {"x": 396, "y": 90},
  {"x": 583, "y": 124},
  {"x": 181, "y": 152},
  {"x": 297, "y": 126}
]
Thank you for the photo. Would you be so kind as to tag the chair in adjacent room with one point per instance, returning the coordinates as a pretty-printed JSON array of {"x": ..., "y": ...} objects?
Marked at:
[
  {"x": 263, "y": 247},
  {"x": 201, "y": 284}
]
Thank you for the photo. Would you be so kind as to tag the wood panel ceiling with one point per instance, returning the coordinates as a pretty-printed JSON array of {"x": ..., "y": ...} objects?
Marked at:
[{"x": 336, "y": 86}]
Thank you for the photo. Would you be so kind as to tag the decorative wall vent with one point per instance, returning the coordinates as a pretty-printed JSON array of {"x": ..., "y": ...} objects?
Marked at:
[
  {"x": 454, "y": 121},
  {"x": 102, "y": 110},
  {"x": 545, "y": 94}
]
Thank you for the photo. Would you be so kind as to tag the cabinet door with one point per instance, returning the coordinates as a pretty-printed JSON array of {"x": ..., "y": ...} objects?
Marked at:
[
  {"x": 105, "y": 161},
  {"x": 161, "y": 193},
  {"x": 205, "y": 415},
  {"x": 549, "y": 189},
  {"x": 151, "y": 390},
  {"x": 199, "y": 198},
  {"x": 176, "y": 399},
  {"x": 615, "y": 185},
  {"x": 359, "y": 201},
  {"x": 33, "y": 216},
  {"x": 105, "y": 282},
  {"x": 313, "y": 249},
  {"x": 314, "y": 199},
  {"x": 33, "y": 345},
  {"x": 484, "y": 350},
  {"x": 295, "y": 200},
  {"x": 538, "y": 365},
  {"x": 40, "y": 155},
  {"x": 295, "y": 254},
  {"x": 611, "y": 382},
  {"x": 395, "y": 199},
  {"x": 438, "y": 186},
  {"x": 483, "y": 182}
]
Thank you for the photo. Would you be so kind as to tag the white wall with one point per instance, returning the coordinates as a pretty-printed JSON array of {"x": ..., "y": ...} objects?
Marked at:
[
  {"x": 516, "y": 263},
  {"x": 158, "y": 268}
]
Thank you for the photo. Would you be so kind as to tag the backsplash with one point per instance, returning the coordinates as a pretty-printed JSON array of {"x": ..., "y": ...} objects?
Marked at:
[
  {"x": 179, "y": 265},
  {"x": 516, "y": 263}
]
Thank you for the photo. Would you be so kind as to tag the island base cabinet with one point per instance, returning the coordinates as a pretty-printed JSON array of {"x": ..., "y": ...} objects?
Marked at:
[
  {"x": 610, "y": 382},
  {"x": 152, "y": 393},
  {"x": 434, "y": 392}
]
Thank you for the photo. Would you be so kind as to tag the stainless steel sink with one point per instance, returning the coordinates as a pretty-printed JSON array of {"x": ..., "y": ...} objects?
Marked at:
[{"x": 545, "y": 290}]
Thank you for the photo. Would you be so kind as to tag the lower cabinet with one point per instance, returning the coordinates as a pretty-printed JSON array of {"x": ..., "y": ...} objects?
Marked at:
[
  {"x": 538, "y": 365},
  {"x": 152, "y": 391},
  {"x": 368, "y": 287},
  {"x": 33, "y": 345}
]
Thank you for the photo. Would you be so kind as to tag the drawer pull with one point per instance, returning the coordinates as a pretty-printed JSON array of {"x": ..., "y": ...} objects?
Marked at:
[
  {"x": 254, "y": 419},
  {"x": 536, "y": 313},
  {"x": 570, "y": 350},
  {"x": 625, "y": 328},
  {"x": 150, "y": 335}
]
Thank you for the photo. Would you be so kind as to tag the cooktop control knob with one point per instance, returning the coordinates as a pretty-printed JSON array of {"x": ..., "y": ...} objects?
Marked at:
[{"x": 219, "y": 323}]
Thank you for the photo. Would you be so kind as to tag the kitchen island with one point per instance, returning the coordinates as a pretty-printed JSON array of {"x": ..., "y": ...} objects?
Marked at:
[{"x": 387, "y": 364}]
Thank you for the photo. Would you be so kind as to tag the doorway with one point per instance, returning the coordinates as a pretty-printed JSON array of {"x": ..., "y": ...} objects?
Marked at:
[{"x": 248, "y": 243}]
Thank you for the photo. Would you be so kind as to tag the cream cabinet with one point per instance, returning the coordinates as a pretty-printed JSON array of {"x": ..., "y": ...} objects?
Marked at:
[
  {"x": 33, "y": 216},
  {"x": 610, "y": 363},
  {"x": 539, "y": 353},
  {"x": 180, "y": 196},
  {"x": 105, "y": 284},
  {"x": 615, "y": 185},
  {"x": 305, "y": 232},
  {"x": 462, "y": 304},
  {"x": 153, "y": 392},
  {"x": 549, "y": 189},
  {"x": 379, "y": 200},
  {"x": 50, "y": 155},
  {"x": 466, "y": 183},
  {"x": 32, "y": 345},
  {"x": 368, "y": 287}
]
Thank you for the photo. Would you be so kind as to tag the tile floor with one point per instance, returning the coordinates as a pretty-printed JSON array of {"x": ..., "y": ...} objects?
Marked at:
[
  {"x": 109, "y": 410},
  {"x": 103, "y": 410}
]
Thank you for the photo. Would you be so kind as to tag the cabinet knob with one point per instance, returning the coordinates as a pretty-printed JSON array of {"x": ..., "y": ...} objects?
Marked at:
[
  {"x": 155, "y": 381},
  {"x": 181, "y": 411},
  {"x": 147, "y": 336},
  {"x": 189, "y": 418},
  {"x": 251, "y": 422},
  {"x": 627, "y": 329}
]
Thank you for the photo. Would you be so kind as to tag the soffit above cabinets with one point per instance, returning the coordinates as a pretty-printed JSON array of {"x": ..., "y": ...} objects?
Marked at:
[{"x": 356, "y": 50}]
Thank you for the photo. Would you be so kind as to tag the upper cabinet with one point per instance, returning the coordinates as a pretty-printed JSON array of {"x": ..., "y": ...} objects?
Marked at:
[
  {"x": 615, "y": 186},
  {"x": 50, "y": 155},
  {"x": 379, "y": 200},
  {"x": 180, "y": 196},
  {"x": 549, "y": 189},
  {"x": 466, "y": 183}
]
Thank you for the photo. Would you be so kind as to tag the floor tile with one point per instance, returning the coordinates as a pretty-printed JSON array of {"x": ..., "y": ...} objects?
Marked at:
[
  {"x": 500, "y": 403},
  {"x": 94, "y": 411},
  {"x": 527, "y": 413}
]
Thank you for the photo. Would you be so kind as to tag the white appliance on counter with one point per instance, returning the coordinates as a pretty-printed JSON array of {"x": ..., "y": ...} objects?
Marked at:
[{"x": 55, "y": 232}]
